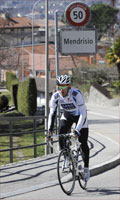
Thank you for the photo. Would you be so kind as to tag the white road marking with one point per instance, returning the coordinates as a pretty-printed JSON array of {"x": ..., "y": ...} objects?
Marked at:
[
  {"x": 94, "y": 113},
  {"x": 108, "y": 138}
]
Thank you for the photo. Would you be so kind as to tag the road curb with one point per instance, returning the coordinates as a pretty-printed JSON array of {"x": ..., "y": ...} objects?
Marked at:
[{"x": 100, "y": 168}]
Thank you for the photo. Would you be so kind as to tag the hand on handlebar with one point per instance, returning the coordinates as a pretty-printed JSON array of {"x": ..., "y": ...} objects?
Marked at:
[{"x": 49, "y": 139}]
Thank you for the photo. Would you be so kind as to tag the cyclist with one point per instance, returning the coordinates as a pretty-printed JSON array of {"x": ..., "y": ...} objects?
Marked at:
[{"x": 74, "y": 111}]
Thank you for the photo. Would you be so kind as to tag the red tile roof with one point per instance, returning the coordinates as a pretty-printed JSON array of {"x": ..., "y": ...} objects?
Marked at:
[
  {"x": 51, "y": 23},
  {"x": 16, "y": 22}
]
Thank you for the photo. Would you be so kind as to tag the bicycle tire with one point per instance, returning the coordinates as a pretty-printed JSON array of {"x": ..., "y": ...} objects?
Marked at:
[
  {"x": 66, "y": 176},
  {"x": 82, "y": 182}
]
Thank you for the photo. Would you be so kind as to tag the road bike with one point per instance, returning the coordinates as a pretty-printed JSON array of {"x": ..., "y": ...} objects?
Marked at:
[{"x": 70, "y": 165}]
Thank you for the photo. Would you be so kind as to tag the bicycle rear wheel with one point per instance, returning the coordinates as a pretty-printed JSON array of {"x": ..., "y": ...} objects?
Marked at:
[
  {"x": 82, "y": 182},
  {"x": 66, "y": 174}
]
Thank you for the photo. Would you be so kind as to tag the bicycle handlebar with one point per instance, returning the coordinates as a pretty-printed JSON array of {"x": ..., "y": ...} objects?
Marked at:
[
  {"x": 59, "y": 135},
  {"x": 64, "y": 135}
]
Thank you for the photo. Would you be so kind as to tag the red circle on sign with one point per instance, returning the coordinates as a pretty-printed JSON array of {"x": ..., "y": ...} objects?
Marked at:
[{"x": 74, "y": 7}]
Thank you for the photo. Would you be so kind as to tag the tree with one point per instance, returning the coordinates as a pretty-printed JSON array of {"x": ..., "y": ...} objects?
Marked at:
[
  {"x": 113, "y": 55},
  {"x": 9, "y": 58},
  {"x": 103, "y": 17}
]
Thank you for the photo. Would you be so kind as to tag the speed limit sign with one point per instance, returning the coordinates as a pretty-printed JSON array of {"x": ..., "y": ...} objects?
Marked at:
[{"x": 77, "y": 14}]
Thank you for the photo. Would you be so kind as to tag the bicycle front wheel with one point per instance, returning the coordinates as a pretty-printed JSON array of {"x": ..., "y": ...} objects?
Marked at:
[{"x": 66, "y": 171}]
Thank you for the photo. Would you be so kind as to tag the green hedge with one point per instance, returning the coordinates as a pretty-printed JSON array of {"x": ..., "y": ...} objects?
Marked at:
[{"x": 27, "y": 97}]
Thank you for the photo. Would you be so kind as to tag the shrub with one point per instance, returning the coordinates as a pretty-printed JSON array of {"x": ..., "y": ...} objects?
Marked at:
[
  {"x": 116, "y": 86},
  {"x": 27, "y": 97}
]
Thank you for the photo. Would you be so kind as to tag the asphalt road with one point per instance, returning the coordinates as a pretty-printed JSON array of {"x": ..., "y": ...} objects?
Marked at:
[
  {"x": 103, "y": 121},
  {"x": 102, "y": 187}
]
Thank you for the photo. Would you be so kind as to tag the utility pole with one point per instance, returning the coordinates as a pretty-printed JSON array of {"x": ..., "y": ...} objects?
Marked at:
[
  {"x": 46, "y": 70},
  {"x": 23, "y": 59},
  {"x": 33, "y": 67}
]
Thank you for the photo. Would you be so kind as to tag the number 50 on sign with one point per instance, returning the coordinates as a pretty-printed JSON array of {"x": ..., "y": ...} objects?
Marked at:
[{"x": 77, "y": 14}]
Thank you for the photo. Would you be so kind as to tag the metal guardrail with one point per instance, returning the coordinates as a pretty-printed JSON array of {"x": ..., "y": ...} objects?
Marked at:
[{"x": 12, "y": 133}]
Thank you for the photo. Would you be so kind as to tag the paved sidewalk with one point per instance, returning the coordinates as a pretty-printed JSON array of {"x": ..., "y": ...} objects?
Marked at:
[{"x": 31, "y": 175}]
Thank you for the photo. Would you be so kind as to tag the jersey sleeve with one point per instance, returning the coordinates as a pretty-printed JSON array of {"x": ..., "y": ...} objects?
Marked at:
[
  {"x": 82, "y": 111},
  {"x": 52, "y": 114}
]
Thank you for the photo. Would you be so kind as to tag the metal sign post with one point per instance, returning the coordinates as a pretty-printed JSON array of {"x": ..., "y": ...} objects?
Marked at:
[
  {"x": 57, "y": 58},
  {"x": 56, "y": 43}
]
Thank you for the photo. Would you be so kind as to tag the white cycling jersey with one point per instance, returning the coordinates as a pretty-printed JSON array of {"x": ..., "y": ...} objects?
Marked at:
[{"x": 73, "y": 103}]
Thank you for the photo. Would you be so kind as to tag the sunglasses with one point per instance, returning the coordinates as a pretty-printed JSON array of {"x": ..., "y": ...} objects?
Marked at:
[{"x": 62, "y": 87}]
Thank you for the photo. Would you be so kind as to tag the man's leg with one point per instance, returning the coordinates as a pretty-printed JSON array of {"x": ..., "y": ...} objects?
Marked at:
[
  {"x": 84, "y": 145},
  {"x": 85, "y": 151}
]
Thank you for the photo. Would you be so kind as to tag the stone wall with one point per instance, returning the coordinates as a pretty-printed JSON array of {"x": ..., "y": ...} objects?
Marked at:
[{"x": 100, "y": 96}]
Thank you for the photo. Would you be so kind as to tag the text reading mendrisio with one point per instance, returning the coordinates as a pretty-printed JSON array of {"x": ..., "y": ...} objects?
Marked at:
[{"x": 68, "y": 41}]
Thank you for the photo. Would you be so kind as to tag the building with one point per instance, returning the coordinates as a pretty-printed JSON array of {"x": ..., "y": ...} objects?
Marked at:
[
  {"x": 17, "y": 30},
  {"x": 21, "y": 29},
  {"x": 66, "y": 63},
  {"x": 40, "y": 83},
  {"x": 41, "y": 24}
]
